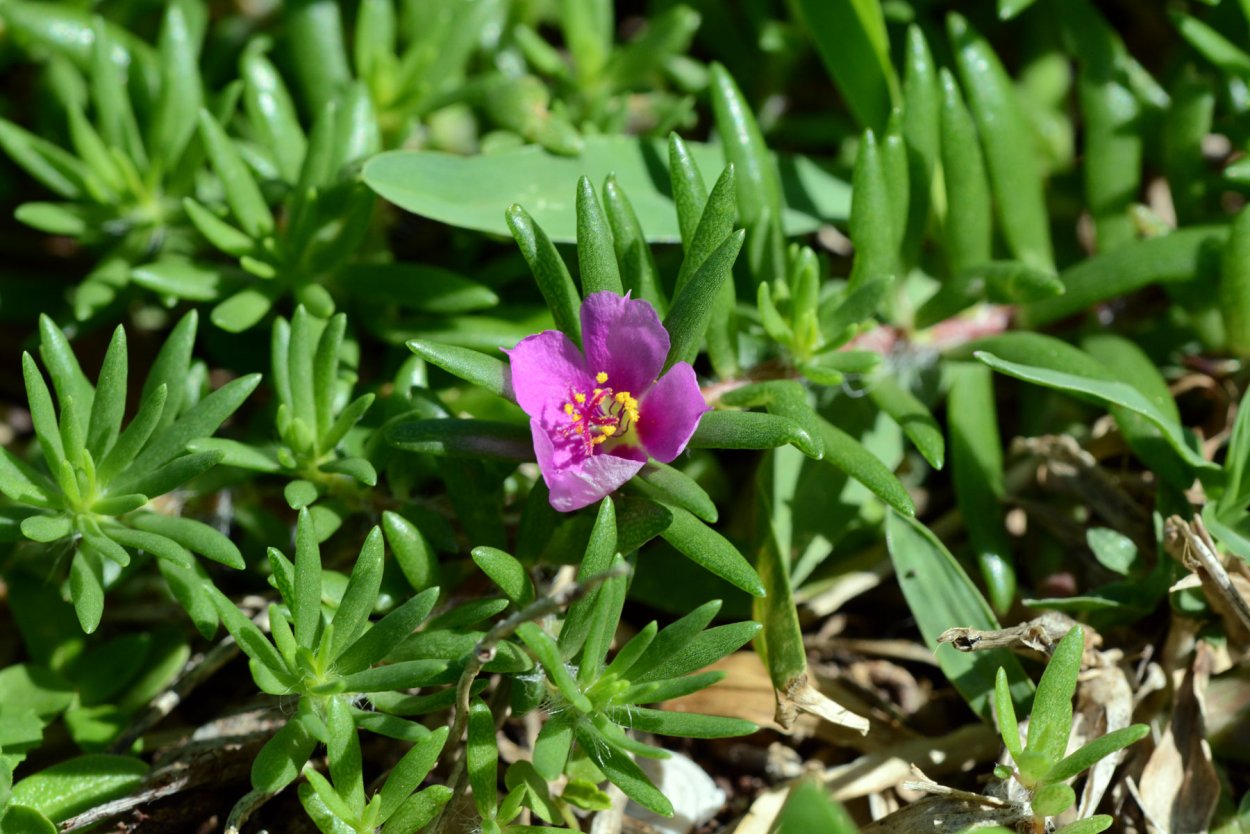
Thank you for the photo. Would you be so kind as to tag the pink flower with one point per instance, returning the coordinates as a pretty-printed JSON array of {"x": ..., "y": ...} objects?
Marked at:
[{"x": 597, "y": 417}]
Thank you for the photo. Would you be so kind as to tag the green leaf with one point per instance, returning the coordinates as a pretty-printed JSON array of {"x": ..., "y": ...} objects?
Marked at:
[
  {"x": 423, "y": 287},
  {"x": 166, "y": 478},
  {"x": 242, "y": 193},
  {"x": 386, "y": 634},
  {"x": 18, "y": 819},
  {"x": 470, "y": 365},
  {"x": 1050, "y": 722},
  {"x": 182, "y": 93},
  {"x": 343, "y": 755},
  {"x": 811, "y": 808},
  {"x": 467, "y": 191},
  {"x": 482, "y": 759},
  {"x": 1005, "y": 715},
  {"x": 688, "y": 319},
  {"x": 416, "y": 560},
  {"x": 847, "y": 454},
  {"x": 941, "y": 596},
  {"x": 47, "y": 528},
  {"x": 171, "y": 368},
  {"x": 195, "y": 536},
  {"x": 716, "y": 223},
  {"x": 746, "y": 430},
  {"x": 549, "y": 271},
  {"x": 619, "y": 768},
  {"x": 1010, "y": 149},
  {"x": 86, "y": 588},
  {"x": 977, "y": 471},
  {"x": 360, "y": 595},
  {"x": 922, "y": 116},
  {"x": 968, "y": 231},
  {"x": 506, "y": 572},
  {"x": 109, "y": 405},
  {"x": 271, "y": 112},
  {"x": 249, "y": 637},
  {"x": 1212, "y": 45},
  {"x": 474, "y": 439},
  {"x": 597, "y": 559},
  {"x": 1053, "y": 799},
  {"x": 279, "y": 762},
  {"x": 1235, "y": 285},
  {"x": 1095, "y": 751},
  {"x": 596, "y": 251},
  {"x": 1111, "y": 392},
  {"x": 1090, "y": 825},
  {"x": 639, "y": 274},
  {"x": 912, "y": 417},
  {"x": 784, "y": 398},
  {"x": 63, "y": 366},
  {"x": 851, "y": 38},
  {"x": 71, "y": 787},
  {"x": 871, "y": 226},
  {"x": 58, "y": 170},
  {"x": 418, "y": 811},
  {"x": 551, "y": 750},
  {"x": 663, "y": 483},
  {"x": 201, "y": 420},
  {"x": 682, "y": 724},
  {"x": 43, "y": 416},
  {"x": 410, "y": 771},
  {"x": 548, "y": 654},
  {"x": 711, "y": 551},
  {"x": 1176, "y": 256},
  {"x": 689, "y": 190},
  {"x": 306, "y": 602}
]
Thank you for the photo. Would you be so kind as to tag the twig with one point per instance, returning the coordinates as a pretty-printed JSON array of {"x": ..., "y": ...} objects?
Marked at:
[{"x": 484, "y": 653}]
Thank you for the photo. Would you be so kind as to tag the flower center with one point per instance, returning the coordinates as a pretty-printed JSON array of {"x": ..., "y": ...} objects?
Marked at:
[{"x": 600, "y": 415}]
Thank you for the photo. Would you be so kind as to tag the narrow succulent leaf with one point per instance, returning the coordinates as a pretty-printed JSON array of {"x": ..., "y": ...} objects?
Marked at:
[
  {"x": 360, "y": 595},
  {"x": 472, "y": 366},
  {"x": 596, "y": 249},
  {"x": 306, "y": 604},
  {"x": 687, "y": 321},
  {"x": 482, "y": 759},
  {"x": 109, "y": 405},
  {"x": 711, "y": 551},
  {"x": 386, "y": 634},
  {"x": 195, "y": 536},
  {"x": 1010, "y": 149},
  {"x": 1050, "y": 722},
  {"x": 506, "y": 572},
  {"x": 549, "y": 271}
]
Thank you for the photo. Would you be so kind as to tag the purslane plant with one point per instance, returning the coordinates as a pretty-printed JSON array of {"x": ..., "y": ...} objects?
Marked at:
[
  {"x": 95, "y": 492},
  {"x": 128, "y": 163},
  {"x": 328, "y": 662},
  {"x": 1042, "y": 765},
  {"x": 315, "y": 412}
]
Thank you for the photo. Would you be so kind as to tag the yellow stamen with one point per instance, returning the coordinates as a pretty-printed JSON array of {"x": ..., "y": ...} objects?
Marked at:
[
  {"x": 580, "y": 398},
  {"x": 569, "y": 409},
  {"x": 601, "y": 377},
  {"x": 608, "y": 431}
]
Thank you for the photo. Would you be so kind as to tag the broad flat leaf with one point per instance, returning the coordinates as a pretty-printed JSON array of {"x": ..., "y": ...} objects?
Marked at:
[
  {"x": 473, "y": 191},
  {"x": 941, "y": 596},
  {"x": 1112, "y": 392}
]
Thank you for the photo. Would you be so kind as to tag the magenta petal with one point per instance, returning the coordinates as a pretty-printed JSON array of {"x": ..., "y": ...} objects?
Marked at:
[
  {"x": 544, "y": 367},
  {"x": 624, "y": 339},
  {"x": 670, "y": 413},
  {"x": 576, "y": 485}
]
